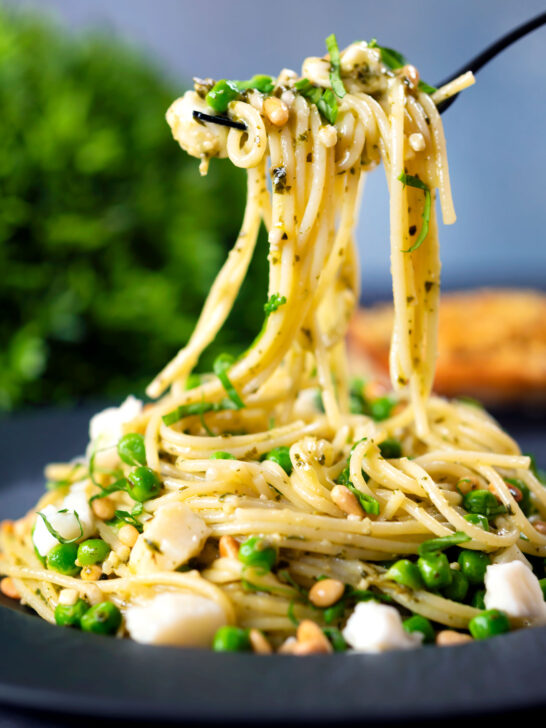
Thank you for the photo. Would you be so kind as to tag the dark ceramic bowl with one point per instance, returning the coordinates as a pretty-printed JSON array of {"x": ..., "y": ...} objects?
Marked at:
[{"x": 48, "y": 668}]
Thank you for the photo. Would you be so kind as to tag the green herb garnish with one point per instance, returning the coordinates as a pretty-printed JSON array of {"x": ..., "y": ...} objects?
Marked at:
[
  {"x": 327, "y": 105},
  {"x": 411, "y": 181},
  {"x": 335, "y": 69},
  {"x": 221, "y": 364},
  {"x": 427, "y": 88},
  {"x": 435, "y": 545},
  {"x": 368, "y": 502}
]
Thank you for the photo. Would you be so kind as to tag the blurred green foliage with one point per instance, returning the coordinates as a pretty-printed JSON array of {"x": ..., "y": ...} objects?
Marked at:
[{"x": 109, "y": 239}]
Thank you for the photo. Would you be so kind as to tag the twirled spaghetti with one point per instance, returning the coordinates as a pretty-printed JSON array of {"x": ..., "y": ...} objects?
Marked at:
[{"x": 277, "y": 450}]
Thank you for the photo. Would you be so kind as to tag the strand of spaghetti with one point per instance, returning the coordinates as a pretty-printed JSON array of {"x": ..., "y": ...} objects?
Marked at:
[
  {"x": 481, "y": 538},
  {"x": 223, "y": 292},
  {"x": 453, "y": 87}
]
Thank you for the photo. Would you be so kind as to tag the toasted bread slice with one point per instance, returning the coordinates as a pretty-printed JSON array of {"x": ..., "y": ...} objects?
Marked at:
[{"x": 492, "y": 344}]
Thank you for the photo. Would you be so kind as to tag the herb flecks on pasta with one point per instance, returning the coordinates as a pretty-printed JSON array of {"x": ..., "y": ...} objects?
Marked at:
[{"x": 274, "y": 503}]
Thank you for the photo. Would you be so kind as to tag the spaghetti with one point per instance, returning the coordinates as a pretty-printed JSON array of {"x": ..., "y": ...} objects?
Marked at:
[{"x": 275, "y": 493}]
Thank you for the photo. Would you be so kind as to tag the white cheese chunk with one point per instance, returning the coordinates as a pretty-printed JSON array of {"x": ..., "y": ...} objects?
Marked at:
[
  {"x": 374, "y": 627},
  {"x": 198, "y": 138},
  {"x": 64, "y": 521},
  {"x": 65, "y": 524},
  {"x": 106, "y": 428},
  {"x": 515, "y": 590},
  {"x": 77, "y": 501},
  {"x": 170, "y": 539},
  {"x": 184, "y": 620}
]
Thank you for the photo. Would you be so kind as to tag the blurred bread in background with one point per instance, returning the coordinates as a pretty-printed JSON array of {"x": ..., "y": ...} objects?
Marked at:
[{"x": 492, "y": 345}]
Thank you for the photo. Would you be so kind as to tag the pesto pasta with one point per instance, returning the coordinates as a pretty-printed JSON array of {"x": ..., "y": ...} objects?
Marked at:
[{"x": 276, "y": 504}]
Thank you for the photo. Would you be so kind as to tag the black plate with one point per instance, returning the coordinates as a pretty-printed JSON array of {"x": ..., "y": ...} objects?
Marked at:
[{"x": 46, "y": 667}]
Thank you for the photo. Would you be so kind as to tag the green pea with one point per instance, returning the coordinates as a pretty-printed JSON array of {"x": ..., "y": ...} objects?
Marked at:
[
  {"x": 482, "y": 502},
  {"x": 473, "y": 565},
  {"x": 381, "y": 408},
  {"x": 417, "y": 623},
  {"x": 222, "y": 455},
  {"x": 92, "y": 551},
  {"x": 255, "y": 552},
  {"x": 357, "y": 405},
  {"x": 336, "y": 639},
  {"x": 70, "y": 615},
  {"x": 542, "y": 583},
  {"x": 281, "y": 456},
  {"x": 458, "y": 589},
  {"x": 488, "y": 624},
  {"x": 143, "y": 484},
  {"x": 62, "y": 558},
  {"x": 478, "y": 599},
  {"x": 406, "y": 573},
  {"x": 476, "y": 519},
  {"x": 434, "y": 569},
  {"x": 221, "y": 94},
  {"x": 391, "y": 448},
  {"x": 231, "y": 639},
  {"x": 131, "y": 449},
  {"x": 103, "y": 618}
]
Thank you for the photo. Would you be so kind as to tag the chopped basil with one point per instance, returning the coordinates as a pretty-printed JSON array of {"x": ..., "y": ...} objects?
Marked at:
[
  {"x": 422, "y": 86},
  {"x": 196, "y": 408},
  {"x": 434, "y": 545},
  {"x": 327, "y": 105},
  {"x": 120, "y": 484},
  {"x": 291, "y": 615},
  {"x": 274, "y": 302},
  {"x": 391, "y": 58},
  {"x": 56, "y": 534},
  {"x": 410, "y": 181},
  {"x": 335, "y": 74},
  {"x": 221, "y": 364},
  {"x": 264, "y": 84},
  {"x": 127, "y": 517},
  {"x": 306, "y": 88},
  {"x": 368, "y": 502},
  {"x": 325, "y": 101}
]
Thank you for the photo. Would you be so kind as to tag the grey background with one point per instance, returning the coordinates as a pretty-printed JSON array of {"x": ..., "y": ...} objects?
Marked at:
[{"x": 495, "y": 131}]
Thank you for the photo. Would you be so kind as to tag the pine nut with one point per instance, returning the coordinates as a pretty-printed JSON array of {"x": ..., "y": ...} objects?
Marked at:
[
  {"x": 259, "y": 643},
  {"x": 8, "y": 588},
  {"x": 229, "y": 547},
  {"x": 514, "y": 491},
  {"x": 465, "y": 485},
  {"x": 346, "y": 501},
  {"x": 68, "y": 597},
  {"x": 103, "y": 508},
  {"x": 311, "y": 639},
  {"x": 287, "y": 647},
  {"x": 448, "y": 637},
  {"x": 326, "y": 592},
  {"x": 540, "y": 526},
  {"x": 411, "y": 73},
  {"x": 276, "y": 111},
  {"x": 128, "y": 535},
  {"x": 91, "y": 573}
]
